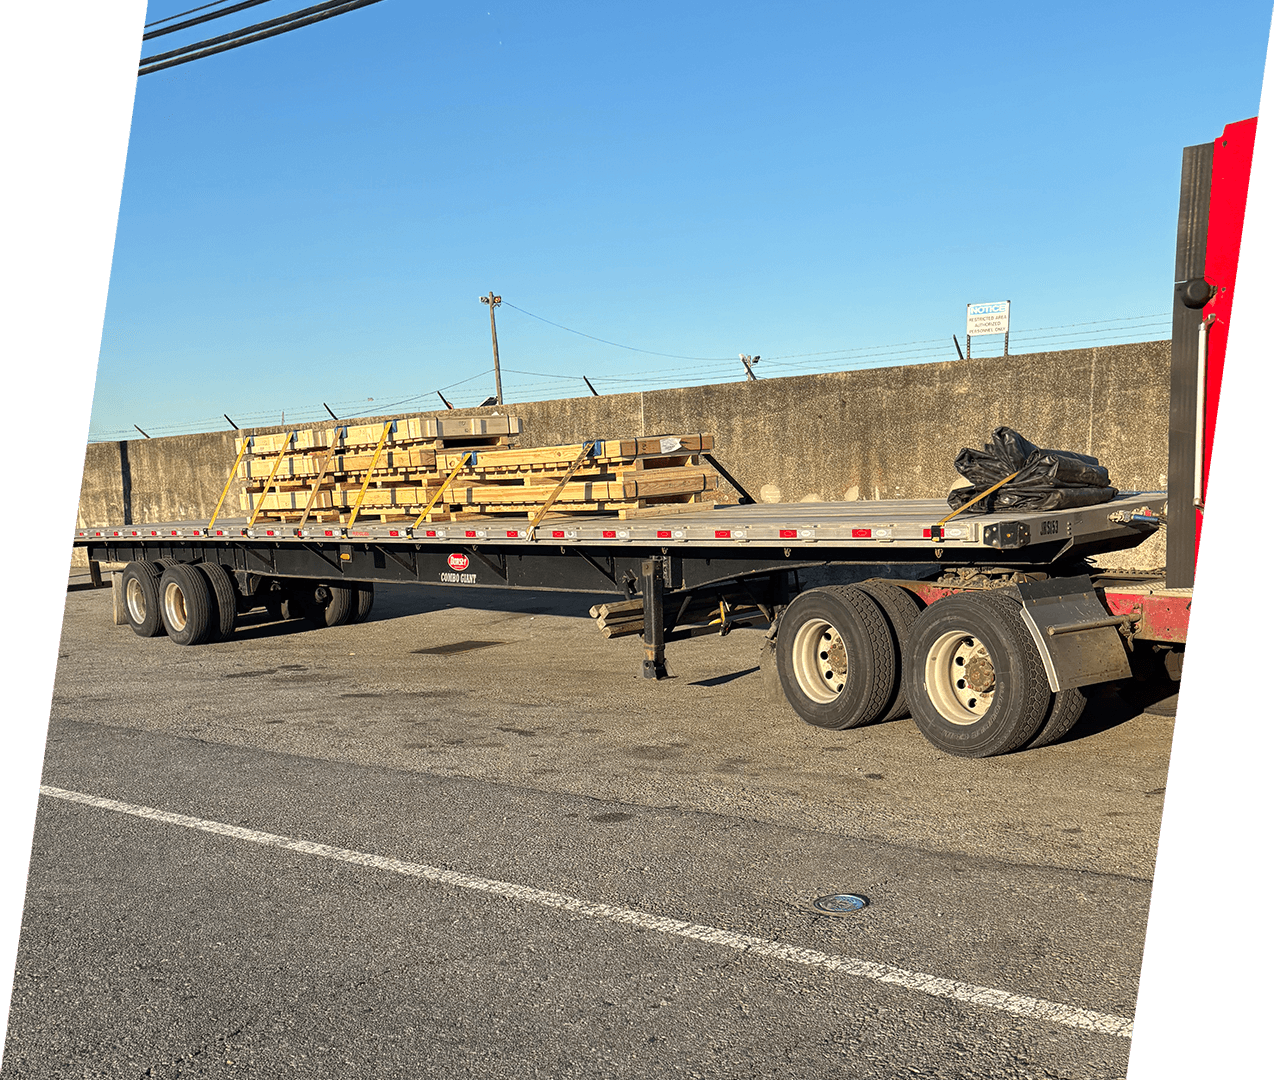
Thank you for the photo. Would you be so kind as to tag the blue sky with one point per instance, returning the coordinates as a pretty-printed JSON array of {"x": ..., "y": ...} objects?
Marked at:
[{"x": 312, "y": 218}]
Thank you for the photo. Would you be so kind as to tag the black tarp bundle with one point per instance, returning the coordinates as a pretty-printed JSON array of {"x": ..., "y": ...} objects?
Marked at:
[{"x": 1046, "y": 479}]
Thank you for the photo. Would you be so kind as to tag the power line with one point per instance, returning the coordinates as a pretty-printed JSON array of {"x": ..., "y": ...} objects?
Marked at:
[
  {"x": 480, "y": 375},
  {"x": 202, "y": 18},
  {"x": 169, "y": 18},
  {"x": 630, "y": 348},
  {"x": 257, "y": 32},
  {"x": 542, "y": 374}
]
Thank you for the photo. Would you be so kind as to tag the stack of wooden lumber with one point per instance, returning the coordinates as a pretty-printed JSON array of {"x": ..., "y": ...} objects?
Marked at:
[
  {"x": 620, "y": 618},
  {"x": 466, "y": 468}
]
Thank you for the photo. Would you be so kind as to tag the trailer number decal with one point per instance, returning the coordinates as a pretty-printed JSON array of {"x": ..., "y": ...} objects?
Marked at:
[
  {"x": 458, "y": 561},
  {"x": 1048, "y": 527}
]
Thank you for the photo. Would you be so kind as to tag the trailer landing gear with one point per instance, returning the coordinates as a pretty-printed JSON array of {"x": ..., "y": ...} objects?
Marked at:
[{"x": 653, "y": 664}]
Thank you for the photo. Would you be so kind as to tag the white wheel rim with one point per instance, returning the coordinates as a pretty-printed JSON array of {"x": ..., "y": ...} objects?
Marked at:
[
  {"x": 820, "y": 661},
  {"x": 135, "y": 598},
  {"x": 960, "y": 677},
  {"x": 175, "y": 606}
]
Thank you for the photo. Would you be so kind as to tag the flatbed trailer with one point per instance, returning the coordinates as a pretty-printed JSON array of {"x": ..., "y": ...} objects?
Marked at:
[
  {"x": 986, "y": 628},
  {"x": 711, "y": 571}
]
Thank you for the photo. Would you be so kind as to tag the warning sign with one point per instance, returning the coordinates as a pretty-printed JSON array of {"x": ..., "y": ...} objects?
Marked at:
[{"x": 992, "y": 318}]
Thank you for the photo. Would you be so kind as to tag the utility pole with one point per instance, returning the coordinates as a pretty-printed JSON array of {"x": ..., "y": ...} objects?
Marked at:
[
  {"x": 748, "y": 361},
  {"x": 492, "y": 301}
]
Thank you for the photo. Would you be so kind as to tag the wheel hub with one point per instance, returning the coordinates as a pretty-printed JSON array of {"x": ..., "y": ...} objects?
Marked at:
[
  {"x": 978, "y": 672},
  {"x": 175, "y": 607},
  {"x": 835, "y": 660},
  {"x": 820, "y": 661},
  {"x": 960, "y": 676},
  {"x": 135, "y": 598}
]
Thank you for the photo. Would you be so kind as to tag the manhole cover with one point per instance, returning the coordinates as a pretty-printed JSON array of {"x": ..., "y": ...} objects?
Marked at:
[
  {"x": 839, "y": 904},
  {"x": 455, "y": 647}
]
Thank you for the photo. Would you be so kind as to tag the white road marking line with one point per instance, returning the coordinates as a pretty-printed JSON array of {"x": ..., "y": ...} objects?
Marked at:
[{"x": 935, "y": 986}]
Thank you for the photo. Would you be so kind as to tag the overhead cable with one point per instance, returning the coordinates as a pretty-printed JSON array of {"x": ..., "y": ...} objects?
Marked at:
[
  {"x": 202, "y": 18},
  {"x": 169, "y": 18},
  {"x": 630, "y": 348},
  {"x": 249, "y": 34}
]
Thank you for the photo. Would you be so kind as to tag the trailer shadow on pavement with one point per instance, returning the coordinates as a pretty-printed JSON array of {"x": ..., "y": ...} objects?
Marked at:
[{"x": 1113, "y": 707}]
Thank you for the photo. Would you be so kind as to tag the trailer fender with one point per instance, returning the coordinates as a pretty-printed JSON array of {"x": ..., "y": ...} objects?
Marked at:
[{"x": 1077, "y": 638}]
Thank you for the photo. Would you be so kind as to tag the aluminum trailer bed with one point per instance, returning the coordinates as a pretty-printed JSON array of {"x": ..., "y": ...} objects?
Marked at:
[{"x": 852, "y": 532}]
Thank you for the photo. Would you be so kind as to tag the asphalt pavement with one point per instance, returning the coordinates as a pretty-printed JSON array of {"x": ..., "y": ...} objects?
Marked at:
[{"x": 472, "y": 841}]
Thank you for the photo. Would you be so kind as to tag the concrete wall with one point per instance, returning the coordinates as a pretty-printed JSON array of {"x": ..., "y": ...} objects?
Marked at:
[{"x": 883, "y": 433}]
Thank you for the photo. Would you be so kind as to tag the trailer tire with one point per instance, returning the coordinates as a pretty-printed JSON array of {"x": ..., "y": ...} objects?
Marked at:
[
  {"x": 364, "y": 597},
  {"x": 973, "y": 676},
  {"x": 836, "y": 657},
  {"x": 1066, "y": 709},
  {"x": 901, "y": 609},
  {"x": 140, "y": 585},
  {"x": 323, "y": 604},
  {"x": 226, "y": 601},
  {"x": 187, "y": 604}
]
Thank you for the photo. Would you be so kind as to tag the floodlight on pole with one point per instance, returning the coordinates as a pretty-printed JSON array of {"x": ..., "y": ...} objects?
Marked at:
[{"x": 492, "y": 301}]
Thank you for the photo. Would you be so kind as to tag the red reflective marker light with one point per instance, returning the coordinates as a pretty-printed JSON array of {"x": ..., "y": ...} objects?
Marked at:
[
  {"x": 929, "y": 534},
  {"x": 664, "y": 534},
  {"x": 431, "y": 532},
  {"x": 787, "y": 534},
  {"x": 470, "y": 532},
  {"x": 513, "y": 533},
  {"x": 393, "y": 532},
  {"x": 558, "y": 534},
  {"x": 723, "y": 534},
  {"x": 608, "y": 534},
  {"x": 860, "y": 534}
]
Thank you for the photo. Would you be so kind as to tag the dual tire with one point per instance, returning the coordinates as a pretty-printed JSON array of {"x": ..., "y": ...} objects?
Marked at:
[
  {"x": 975, "y": 681},
  {"x": 329, "y": 605},
  {"x": 839, "y": 654},
  {"x": 140, "y": 583},
  {"x": 192, "y": 604},
  {"x": 322, "y": 604},
  {"x": 965, "y": 667},
  {"x": 326, "y": 604}
]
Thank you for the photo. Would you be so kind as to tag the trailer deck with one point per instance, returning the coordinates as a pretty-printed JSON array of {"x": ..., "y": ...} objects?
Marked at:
[{"x": 845, "y": 531}]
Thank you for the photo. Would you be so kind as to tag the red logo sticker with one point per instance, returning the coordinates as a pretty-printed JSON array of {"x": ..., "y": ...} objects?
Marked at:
[{"x": 458, "y": 561}]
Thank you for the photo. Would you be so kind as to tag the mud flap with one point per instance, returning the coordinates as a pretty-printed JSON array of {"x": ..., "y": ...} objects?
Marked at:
[{"x": 1078, "y": 639}]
